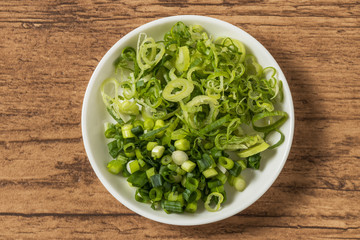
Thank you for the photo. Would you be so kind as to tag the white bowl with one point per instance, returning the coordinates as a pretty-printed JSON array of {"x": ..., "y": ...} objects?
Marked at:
[{"x": 94, "y": 115}]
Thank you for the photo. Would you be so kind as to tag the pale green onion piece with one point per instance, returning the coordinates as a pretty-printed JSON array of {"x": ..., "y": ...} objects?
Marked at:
[
  {"x": 192, "y": 107},
  {"x": 182, "y": 144},
  {"x": 182, "y": 59},
  {"x": 239, "y": 183},
  {"x": 149, "y": 124},
  {"x": 210, "y": 172},
  {"x": 219, "y": 199},
  {"x": 188, "y": 166},
  {"x": 157, "y": 151},
  {"x": 150, "y": 172},
  {"x": 128, "y": 107},
  {"x": 253, "y": 150},
  {"x": 150, "y": 146},
  {"x": 177, "y": 89},
  {"x": 179, "y": 157},
  {"x": 126, "y": 131},
  {"x": 132, "y": 166},
  {"x": 191, "y": 207}
]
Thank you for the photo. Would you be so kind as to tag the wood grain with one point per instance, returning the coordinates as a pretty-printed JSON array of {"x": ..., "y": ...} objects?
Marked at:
[{"x": 48, "y": 52}]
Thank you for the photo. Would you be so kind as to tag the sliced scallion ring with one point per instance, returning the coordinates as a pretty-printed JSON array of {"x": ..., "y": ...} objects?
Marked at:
[{"x": 177, "y": 89}]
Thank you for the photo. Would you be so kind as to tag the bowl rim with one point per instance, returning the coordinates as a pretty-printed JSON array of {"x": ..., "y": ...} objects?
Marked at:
[{"x": 91, "y": 158}]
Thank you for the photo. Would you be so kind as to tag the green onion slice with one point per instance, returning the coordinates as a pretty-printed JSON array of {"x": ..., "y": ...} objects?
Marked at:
[
  {"x": 271, "y": 126},
  {"x": 178, "y": 89},
  {"x": 213, "y": 199}
]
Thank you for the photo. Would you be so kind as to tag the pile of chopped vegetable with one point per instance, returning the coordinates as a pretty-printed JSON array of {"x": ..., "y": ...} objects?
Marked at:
[{"x": 180, "y": 106}]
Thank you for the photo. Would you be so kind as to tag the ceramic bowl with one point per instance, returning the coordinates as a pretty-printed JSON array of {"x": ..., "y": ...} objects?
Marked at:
[{"x": 94, "y": 115}]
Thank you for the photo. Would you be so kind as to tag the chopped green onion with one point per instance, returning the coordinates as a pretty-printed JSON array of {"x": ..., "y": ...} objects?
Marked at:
[
  {"x": 191, "y": 183},
  {"x": 226, "y": 162},
  {"x": 189, "y": 196},
  {"x": 155, "y": 194},
  {"x": 157, "y": 151},
  {"x": 242, "y": 164},
  {"x": 235, "y": 170},
  {"x": 222, "y": 177},
  {"x": 239, "y": 183},
  {"x": 219, "y": 189},
  {"x": 138, "y": 179},
  {"x": 182, "y": 144},
  {"x": 152, "y": 134},
  {"x": 191, "y": 207},
  {"x": 179, "y": 157},
  {"x": 156, "y": 180},
  {"x": 218, "y": 199},
  {"x": 165, "y": 160},
  {"x": 183, "y": 86},
  {"x": 284, "y": 116},
  {"x": 142, "y": 195},
  {"x": 253, "y": 150},
  {"x": 173, "y": 206},
  {"x": 115, "y": 166},
  {"x": 126, "y": 131},
  {"x": 254, "y": 161},
  {"x": 127, "y": 107},
  {"x": 110, "y": 130},
  {"x": 214, "y": 183},
  {"x": 188, "y": 166},
  {"x": 150, "y": 146},
  {"x": 138, "y": 130},
  {"x": 159, "y": 124},
  {"x": 138, "y": 154},
  {"x": 149, "y": 124},
  {"x": 208, "y": 173},
  {"x": 133, "y": 166},
  {"x": 183, "y": 59},
  {"x": 150, "y": 172}
]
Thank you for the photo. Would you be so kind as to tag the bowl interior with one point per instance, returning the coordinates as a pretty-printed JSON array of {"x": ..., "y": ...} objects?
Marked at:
[{"x": 94, "y": 115}]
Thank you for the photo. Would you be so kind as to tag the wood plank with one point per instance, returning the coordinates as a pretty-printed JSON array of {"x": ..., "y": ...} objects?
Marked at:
[
  {"x": 48, "y": 52},
  {"x": 130, "y": 227}
]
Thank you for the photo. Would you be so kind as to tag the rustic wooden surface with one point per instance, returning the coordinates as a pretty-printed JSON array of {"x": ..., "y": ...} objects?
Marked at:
[{"x": 48, "y": 52}]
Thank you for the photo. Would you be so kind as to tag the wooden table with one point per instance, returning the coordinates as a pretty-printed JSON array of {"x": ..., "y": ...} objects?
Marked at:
[{"x": 49, "y": 50}]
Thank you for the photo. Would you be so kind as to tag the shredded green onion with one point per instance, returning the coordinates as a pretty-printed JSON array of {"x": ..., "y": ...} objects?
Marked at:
[{"x": 180, "y": 106}]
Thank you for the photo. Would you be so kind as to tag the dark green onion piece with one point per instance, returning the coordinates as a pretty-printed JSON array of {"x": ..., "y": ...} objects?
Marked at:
[
  {"x": 236, "y": 170},
  {"x": 137, "y": 131},
  {"x": 173, "y": 206},
  {"x": 205, "y": 162},
  {"x": 216, "y": 153},
  {"x": 113, "y": 148},
  {"x": 214, "y": 183},
  {"x": 281, "y": 140},
  {"x": 156, "y": 180},
  {"x": 219, "y": 189},
  {"x": 191, "y": 183},
  {"x": 155, "y": 194},
  {"x": 284, "y": 116},
  {"x": 110, "y": 130},
  {"x": 189, "y": 196},
  {"x": 142, "y": 195},
  {"x": 254, "y": 161},
  {"x": 222, "y": 177},
  {"x": 152, "y": 133},
  {"x": 138, "y": 179},
  {"x": 216, "y": 124}
]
